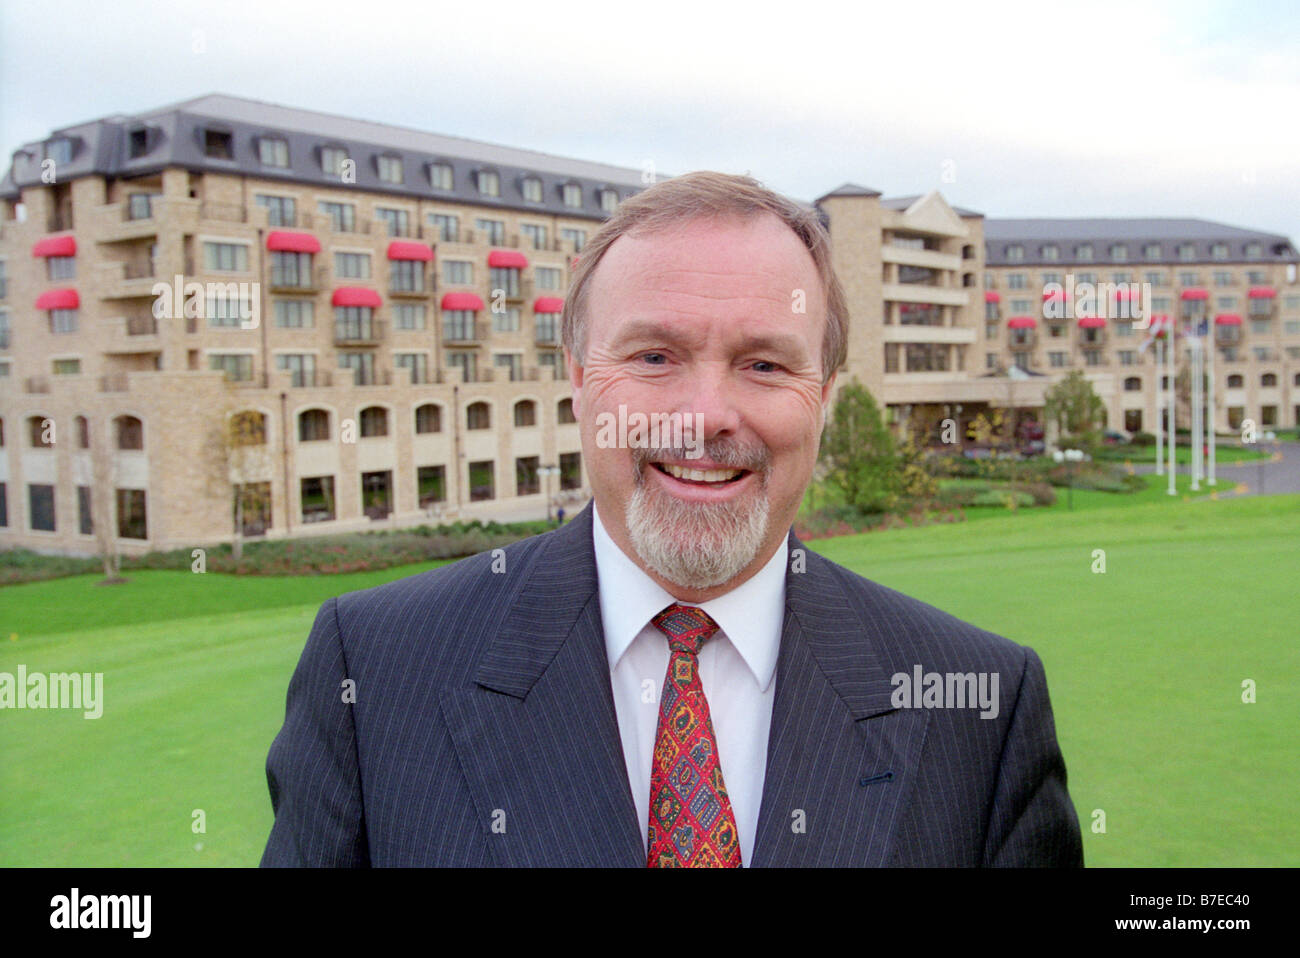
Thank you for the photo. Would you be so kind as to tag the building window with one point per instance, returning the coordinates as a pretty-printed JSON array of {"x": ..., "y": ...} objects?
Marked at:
[
  {"x": 218, "y": 145},
  {"x": 1268, "y": 380},
  {"x": 362, "y": 366},
  {"x": 1155, "y": 280},
  {"x": 417, "y": 363},
  {"x": 1017, "y": 280},
  {"x": 1151, "y": 251},
  {"x": 481, "y": 480},
  {"x": 491, "y": 231},
  {"x": 1121, "y": 277},
  {"x": 316, "y": 494},
  {"x": 525, "y": 413},
  {"x": 1055, "y": 359},
  {"x": 537, "y": 235},
  {"x": 575, "y": 236},
  {"x": 466, "y": 362},
  {"x": 300, "y": 366},
  {"x": 409, "y": 316},
  {"x": 428, "y": 418},
  {"x": 280, "y": 210},
  {"x": 85, "y": 524},
  {"x": 390, "y": 168},
  {"x": 446, "y": 226},
  {"x": 532, "y": 189},
  {"x": 1268, "y": 415},
  {"x": 572, "y": 194},
  {"x": 63, "y": 320},
  {"x": 1189, "y": 279},
  {"x": 457, "y": 273},
  {"x": 570, "y": 470},
  {"x": 458, "y": 326},
  {"x": 272, "y": 151},
  {"x": 1119, "y": 253},
  {"x": 374, "y": 422},
  {"x": 548, "y": 278},
  {"x": 527, "y": 481},
  {"x": 1015, "y": 254},
  {"x": 313, "y": 425},
  {"x": 61, "y": 267},
  {"x": 564, "y": 411},
  {"x": 431, "y": 481},
  {"x": 377, "y": 494},
  {"x": 343, "y": 216},
  {"x": 67, "y": 367},
  {"x": 990, "y": 360},
  {"x": 1222, "y": 278},
  {"x": 1127, "y": 357},
  {"x": 506, "y": 320},
  {"x": 1083, "y": 252},
  {"x": 131, "y": 514},
  {"x": 1261, "y": 327},
  {"x": 1235, "y": 381},
  {"x": 291, "y": 270},
  {"x": 333, "y": 160},
  {"x": 397, "y": 221},
  {"x": 509, "y": 363},
  {"x": 140, "y": 206},
  {"x": 238, "y": 367},
  {"x": 478, "y": 415},
  {"x": 40, "y": 432},
  {"x": 440, "y": 176},
  {"x": 405, "y": 276},
  {"x": 608, "y": 200},
  {"x": 225, "y": 257},
  {"x": 504, "y": 278},
  {"x": 138, "y": 143},
  {"x": 294, "y": 313},
  {"x": 547, "y": 329},
  {"x": 40, "y": 506},
  {"x": 990, "y": 330},
  {"x": 1218, "y": 250},
  {"x": 1186, "y": 252},
  {"x": 1133, "y": 384},
  {"x": 59, "y": 150},
  {"x": 1254, "y": 251},
  {"x": 489, "y": 183},
  {"x": 352, "y": 265}
]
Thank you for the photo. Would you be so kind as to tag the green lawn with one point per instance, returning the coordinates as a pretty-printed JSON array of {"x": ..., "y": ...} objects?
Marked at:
[
  {"x": 1183, "y": 455},
  {"x": 1145, "y": 664}
]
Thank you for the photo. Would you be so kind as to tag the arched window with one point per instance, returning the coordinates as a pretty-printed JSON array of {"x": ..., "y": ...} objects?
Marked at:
[
  {"x": 313, "y": 425},
  {"x": 82, "y": 426},
  {"x": 478, "y": 415},
  {"x": 129, "y": 431},
  {"x": 428, "y": 418},
  {"x": 1235, "y": 381},
  {"x": 1268, "y": 379},
  {"x": 525, "y": 413},
  {"x": 374, "y": 421},
  {"x": 40, "y": 430},
  {"x": 564, "y": 411},
  {"x": 1133, "y": 384}
]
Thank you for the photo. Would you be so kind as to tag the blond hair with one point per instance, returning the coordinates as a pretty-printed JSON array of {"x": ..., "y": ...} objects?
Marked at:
[{"x": 705, "y": 195}]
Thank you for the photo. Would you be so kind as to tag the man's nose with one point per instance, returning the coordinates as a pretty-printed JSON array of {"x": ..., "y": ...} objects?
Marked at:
[{"x": 711, "y": 392}]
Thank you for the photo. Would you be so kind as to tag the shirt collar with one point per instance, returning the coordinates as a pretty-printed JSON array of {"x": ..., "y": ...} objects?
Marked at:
[{"x": 752, "y": 614}]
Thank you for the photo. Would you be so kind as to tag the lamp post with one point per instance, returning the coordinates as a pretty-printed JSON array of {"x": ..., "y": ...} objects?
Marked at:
[
  {"x": 547, "y": 472},
  {"x": 1070, "y": 456}
]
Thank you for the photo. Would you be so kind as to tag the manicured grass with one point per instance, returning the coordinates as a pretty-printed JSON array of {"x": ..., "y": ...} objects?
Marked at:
[
  {"x": 1145, "y": 664},
  {"x": 1183, "y": 454}
]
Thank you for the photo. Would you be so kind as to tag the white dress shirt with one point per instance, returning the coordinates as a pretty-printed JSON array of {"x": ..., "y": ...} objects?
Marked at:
[{"x": 737, "y": 667}]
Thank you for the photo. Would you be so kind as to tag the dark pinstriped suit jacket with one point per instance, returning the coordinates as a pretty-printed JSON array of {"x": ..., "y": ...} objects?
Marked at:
[{"x": 483, "y": 730}]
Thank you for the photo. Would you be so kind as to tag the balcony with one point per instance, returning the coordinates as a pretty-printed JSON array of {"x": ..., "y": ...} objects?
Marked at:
[
  {"x": 224, "y": 212},
  {"x": 299, "y": 281},
  {"x": 362, "y": 377},
  {"x": 359, "y": 334},
  {"x": 309, "y": 378},
  {"x": 139, "y": 335},
  {"x": 427, "y": 286},
  {"x": 132, "y": 279},
  {"x": 464, "y": 334},
  {"x": 547, "y": 337}
]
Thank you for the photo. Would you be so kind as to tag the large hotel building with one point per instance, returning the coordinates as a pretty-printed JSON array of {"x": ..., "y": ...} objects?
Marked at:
[{"x": 361, "y": 328}]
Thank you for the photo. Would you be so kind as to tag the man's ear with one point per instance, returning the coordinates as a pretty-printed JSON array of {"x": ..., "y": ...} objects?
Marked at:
[{"x": 575, "y": 377}]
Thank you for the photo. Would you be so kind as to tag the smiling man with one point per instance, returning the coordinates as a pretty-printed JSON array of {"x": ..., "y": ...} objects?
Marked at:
[{"x": 672, "y": 679}]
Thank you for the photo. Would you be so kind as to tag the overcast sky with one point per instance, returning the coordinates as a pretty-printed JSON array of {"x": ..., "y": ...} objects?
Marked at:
[{"x": 1012, "y": 109}]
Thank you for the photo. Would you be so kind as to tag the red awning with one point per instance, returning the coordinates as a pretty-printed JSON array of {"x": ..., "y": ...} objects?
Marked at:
[
  {"x": 55, "y": 246},
  {"x": 1262, "y": 292},
  {"x": 991, "y": 297},
  {"x": 548, "y": 304},
  {"x": 1053, "y": 294},
  {"x": 1091, "y": 322},
  {"x": 1196, "y": 292},
  {"x": 507, "y": 259},
  {"x": 58, "y": 299},
  {"x": 1227, "y": 319},
  {"x": 356, "y": 296},
  {"x": 462, "y": 301},
  {"x": 398, "y": 249},
  {"x": 282, "y": 241},
  {"x": 1022, "y": 322}
]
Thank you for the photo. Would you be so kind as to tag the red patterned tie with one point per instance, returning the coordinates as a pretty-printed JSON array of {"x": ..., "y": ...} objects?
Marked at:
[{"x": 691, "y": 823}]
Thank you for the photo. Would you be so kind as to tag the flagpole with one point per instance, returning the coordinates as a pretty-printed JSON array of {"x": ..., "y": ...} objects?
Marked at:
[
  {"x": 1194, "y": 361},
  {"x": 1173, "y": 409},
  {"x": 1209, "y": 407},
  {"x": 1160, "y": 400}
]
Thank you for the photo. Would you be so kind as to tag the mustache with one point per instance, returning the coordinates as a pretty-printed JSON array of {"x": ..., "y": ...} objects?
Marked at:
[{"x": 725, "y": 452}]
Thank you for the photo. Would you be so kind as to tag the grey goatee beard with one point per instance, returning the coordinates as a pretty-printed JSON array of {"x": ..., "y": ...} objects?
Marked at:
[{"x": 698, "y": 545}]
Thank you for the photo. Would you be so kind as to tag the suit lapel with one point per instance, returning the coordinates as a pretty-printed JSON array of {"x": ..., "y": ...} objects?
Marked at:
[
  {"x": 840, "y": 757},
  {"x": 537, "y": 735}
]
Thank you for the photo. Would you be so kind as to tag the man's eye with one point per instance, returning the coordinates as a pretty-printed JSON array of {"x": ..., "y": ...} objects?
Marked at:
[
  {"x": 766, "y": 366},
  {"x": 655, "y": 359}
]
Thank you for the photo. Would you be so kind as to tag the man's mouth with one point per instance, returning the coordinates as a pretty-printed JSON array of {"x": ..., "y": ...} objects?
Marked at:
[{"x": 704, "y": 477}]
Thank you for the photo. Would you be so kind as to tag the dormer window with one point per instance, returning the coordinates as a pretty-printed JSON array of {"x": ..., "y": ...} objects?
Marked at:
[
  {"x": 608, "y": 200},
  {"x": 1151, "y": 251},
  {"x": 59, "y": 150},
  {"x": 440, "y": 176},
  {"x": 218, "y": 144},
  {"x": 1119, "y": 253},
  {"x": 138, "y": 143},
  {"x": 1015, "y": 254},
  {"x": 489, "y": 183},
  {"x": 1254, "y": 251},
  {"x": 273, "y": 151},
  {"x": 332, "y": 159},
  {"x": 390, "y": 168},
  {"x": 572, "y": 194},
  {"x": 532, "y": 189},
  {"x": 1051, "y": 253},
  {"x": 1219, "y": 251}
]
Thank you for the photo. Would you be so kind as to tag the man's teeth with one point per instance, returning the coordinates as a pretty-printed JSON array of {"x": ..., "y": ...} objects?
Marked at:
[{"x": 700, "y": 475}]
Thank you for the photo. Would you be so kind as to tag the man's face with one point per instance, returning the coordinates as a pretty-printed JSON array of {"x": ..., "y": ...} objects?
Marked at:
[{"x": 720, "y": 322}]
